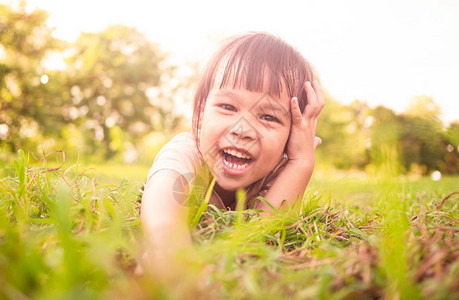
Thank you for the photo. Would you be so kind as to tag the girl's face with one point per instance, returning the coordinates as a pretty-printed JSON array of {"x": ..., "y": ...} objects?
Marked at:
[{"x": 243, "y": 135}]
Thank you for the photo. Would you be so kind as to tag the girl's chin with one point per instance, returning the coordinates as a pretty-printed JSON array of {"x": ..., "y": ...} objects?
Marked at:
[{"x": 229, "y": 186}]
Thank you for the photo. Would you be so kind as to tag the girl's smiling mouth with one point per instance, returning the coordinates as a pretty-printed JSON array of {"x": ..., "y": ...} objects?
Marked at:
[{"x": 236, "y": 161}]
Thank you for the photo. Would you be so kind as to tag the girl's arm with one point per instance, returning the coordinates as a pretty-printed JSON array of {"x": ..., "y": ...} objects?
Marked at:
[
  {"x": 292, "y": 181},
  {"x": 164, "y": 221}
]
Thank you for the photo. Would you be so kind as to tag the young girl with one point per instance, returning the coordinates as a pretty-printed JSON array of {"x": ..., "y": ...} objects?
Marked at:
[{"x": 254, "y": 124}]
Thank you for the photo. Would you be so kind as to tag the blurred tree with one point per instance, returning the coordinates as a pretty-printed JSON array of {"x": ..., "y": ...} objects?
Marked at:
[
  {"x": 331, "y": 129},
  {"x": 359, "y": 131},
  {"x": 424, "y": 107},
  {"x": 385, "y": 135},
  {"x": 422, "y": 141},
  {"x": 110, "y": 74},
  {"x": 342, "y": 129},
  {"x": 28, "y": 104},
  {"x": 421, "y": 144},
  {"x": 452, "y": 149}
]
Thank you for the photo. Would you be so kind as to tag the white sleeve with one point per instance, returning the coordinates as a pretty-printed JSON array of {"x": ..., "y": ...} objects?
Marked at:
[{"x": 180, "y": 154}]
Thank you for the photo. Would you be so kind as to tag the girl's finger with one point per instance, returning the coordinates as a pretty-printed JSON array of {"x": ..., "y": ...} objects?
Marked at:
[
  {"x": 296, "y": 112},
  {"x": 317, "y": 141},
  {"x": 312, "y": 100},
  {"x": 316, "y": 101},
  {"x": 310, "y": 93},
  {"x": 319, "y": 92}
]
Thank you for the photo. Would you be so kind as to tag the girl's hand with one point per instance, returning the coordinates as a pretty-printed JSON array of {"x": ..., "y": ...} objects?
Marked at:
[
  {"x": 303, "y": 141},
  {"x": 300, "y": 150}
]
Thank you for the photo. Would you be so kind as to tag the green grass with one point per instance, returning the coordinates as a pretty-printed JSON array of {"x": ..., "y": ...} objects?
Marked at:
[{"x": 74, "y": 232}]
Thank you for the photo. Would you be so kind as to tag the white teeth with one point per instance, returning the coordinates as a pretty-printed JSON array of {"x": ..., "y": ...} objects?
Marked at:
[
  {"x": 236, "y": 153},
  {"x": 233, "y": 166}
]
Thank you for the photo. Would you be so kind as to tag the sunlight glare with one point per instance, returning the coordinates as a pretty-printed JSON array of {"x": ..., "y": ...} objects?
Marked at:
[{"x": 44, "y": 79}]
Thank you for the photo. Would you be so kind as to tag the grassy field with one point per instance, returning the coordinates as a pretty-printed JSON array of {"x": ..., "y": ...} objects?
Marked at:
[{"x": 74, "y": 232}]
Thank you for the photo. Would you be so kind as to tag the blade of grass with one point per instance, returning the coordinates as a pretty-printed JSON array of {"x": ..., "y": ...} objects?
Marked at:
[{"x": 203, "y": 205}]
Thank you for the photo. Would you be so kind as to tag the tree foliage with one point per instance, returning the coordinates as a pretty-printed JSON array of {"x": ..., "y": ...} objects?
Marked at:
[
  {"x": 381, "y": 141},
  {"x": 101, "y": 101},
  {"x": 109, "y": 75},
  {"x": 342, "y": 129},
  {"x": 25, "y": 40},
  {"x": 385, "y": 137}
]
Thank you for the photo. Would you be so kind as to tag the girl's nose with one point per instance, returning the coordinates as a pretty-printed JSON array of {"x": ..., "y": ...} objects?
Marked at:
[{"x": 243, "y": 130}]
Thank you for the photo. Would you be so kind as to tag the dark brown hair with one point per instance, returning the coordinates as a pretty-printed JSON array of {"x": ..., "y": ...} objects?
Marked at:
[{"x": 251, "y": 57}]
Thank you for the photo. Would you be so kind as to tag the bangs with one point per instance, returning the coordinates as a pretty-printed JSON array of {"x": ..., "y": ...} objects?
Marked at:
[{"x": 266, "y": 63}]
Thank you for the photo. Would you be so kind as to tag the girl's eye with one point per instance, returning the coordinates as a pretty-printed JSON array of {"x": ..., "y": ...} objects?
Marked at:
[
  {"x": 227, "y": 107},
  {"x": 269, "y": 118}
]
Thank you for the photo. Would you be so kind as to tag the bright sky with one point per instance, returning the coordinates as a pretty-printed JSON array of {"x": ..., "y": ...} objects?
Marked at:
[{"x": 381, "y": 52}]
